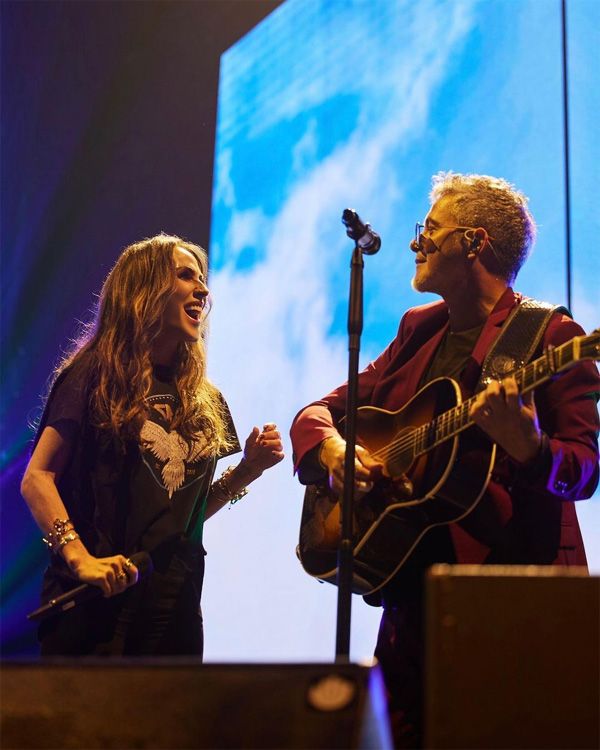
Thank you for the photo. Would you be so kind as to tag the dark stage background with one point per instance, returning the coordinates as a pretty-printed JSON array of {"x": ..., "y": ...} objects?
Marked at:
[{"x": 108, "y": 125}]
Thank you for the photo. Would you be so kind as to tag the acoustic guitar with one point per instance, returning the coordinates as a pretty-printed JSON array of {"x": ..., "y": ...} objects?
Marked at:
[{"x": 433, "y": 442}]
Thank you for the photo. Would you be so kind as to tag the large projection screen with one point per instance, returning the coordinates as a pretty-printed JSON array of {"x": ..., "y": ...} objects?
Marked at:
[{"x": 336, "y": 103}]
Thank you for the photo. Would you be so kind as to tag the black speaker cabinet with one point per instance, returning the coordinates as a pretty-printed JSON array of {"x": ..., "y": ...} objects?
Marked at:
[
  {"x": 512, "y": 657},
  {"x": 183, "y": 704}
]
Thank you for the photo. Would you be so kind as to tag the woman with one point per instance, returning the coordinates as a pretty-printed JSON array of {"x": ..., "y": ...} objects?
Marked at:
[{"x": 124, "y": 459}]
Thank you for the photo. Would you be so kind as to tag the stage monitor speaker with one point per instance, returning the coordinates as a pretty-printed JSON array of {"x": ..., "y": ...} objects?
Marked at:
[
  {"x": 512, "y": 657},
  {"x": 183, "y": 704}
]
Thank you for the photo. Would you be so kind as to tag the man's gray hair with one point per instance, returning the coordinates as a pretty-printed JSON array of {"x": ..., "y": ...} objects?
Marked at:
[{"x": 495, "y": 205}]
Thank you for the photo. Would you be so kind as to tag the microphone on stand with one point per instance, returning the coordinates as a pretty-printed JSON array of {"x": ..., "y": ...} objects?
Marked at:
[
  {"x": 364, "y": 236},
  {"x": 87, "y": 591}
]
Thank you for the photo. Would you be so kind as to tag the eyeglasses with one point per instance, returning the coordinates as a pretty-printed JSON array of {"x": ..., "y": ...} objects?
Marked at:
[{"x": 420, "y": 232}]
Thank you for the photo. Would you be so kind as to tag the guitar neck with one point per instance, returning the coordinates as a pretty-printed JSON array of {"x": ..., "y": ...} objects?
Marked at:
[{"x": 554, "y": 360}]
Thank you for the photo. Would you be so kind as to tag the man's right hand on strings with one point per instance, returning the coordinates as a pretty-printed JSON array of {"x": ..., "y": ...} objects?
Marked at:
[{"x": 332, "y": 456}]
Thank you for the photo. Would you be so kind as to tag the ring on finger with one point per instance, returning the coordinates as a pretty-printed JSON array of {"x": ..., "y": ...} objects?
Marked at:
[
  {"x": 122, "y": 575},
  {"x": 128, "y": 563}
]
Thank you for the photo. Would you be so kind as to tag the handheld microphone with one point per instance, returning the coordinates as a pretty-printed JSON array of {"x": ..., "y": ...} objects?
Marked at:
[
  {"x": 368, "y": 240},
  {"x": 87, "y": 591}
]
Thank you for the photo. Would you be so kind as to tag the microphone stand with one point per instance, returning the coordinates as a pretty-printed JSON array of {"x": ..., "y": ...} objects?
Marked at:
[
  {"x": 345, "y": 557},
  {"x": 358, "y": 232}
]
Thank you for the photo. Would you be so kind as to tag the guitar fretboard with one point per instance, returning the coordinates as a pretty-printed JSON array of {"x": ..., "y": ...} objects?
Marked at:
[{"x": 455, "y": 420}]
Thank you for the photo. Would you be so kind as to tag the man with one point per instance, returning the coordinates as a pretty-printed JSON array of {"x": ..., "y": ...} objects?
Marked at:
[{"x": 476, "y": 236}]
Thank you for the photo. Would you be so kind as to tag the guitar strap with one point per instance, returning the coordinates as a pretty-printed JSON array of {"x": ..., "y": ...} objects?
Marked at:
[{"x": 518, "y": 340}]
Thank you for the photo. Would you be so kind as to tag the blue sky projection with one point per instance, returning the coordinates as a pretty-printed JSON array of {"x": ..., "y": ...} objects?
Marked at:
[{"x": 336, "y": 103}]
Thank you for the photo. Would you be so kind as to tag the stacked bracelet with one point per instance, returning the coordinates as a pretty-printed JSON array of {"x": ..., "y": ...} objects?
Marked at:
[
  {"x": 63, "y": 533},
  {"x": 224, "y": 492}
]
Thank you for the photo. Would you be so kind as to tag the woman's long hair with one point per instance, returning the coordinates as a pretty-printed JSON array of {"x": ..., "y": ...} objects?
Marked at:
[{"x": 119, "y": 343}]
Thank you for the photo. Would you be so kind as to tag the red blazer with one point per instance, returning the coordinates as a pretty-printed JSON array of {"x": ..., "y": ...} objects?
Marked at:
[{"x": 526, "y": 515}]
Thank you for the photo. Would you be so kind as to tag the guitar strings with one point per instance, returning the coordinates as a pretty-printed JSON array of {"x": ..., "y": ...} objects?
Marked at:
[
  {"x": 538, "y": 370},
  {"x": 395, "y": 448}
]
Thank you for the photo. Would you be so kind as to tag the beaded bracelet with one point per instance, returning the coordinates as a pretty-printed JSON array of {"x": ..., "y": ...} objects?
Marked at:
[
  {"x": 223, "y": 489},
  {"x": 63, "y": 533}
]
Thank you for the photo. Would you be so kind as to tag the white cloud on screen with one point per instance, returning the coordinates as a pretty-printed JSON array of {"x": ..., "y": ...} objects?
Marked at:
[
  {"x": 363, "y": 48},
  {"x": 269, "y": 348},
  {"x": 246, "y": 229},
  {"x": 224, "y": 188},
  {"x": 305, "y": 151}
]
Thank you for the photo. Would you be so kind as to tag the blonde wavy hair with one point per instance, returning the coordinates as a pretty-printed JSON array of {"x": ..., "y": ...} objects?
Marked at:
[
  {"x": 119, "y": 342},
  {"x": 495, "y": 205}
]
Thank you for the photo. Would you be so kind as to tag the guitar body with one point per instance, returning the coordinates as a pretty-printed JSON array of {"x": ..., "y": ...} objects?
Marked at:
[
  {"x": 433, "y": 442},
  {"x": 447, "y": 482}
]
